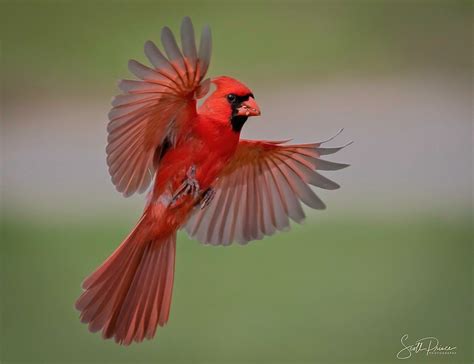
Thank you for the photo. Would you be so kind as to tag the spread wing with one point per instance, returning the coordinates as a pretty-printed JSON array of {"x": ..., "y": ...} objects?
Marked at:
[
  {"x": 261, "y": 190},
  {"x": 152, "y": 112}
]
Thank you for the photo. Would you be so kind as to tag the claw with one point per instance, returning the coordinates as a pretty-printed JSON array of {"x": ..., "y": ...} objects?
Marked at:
[
  {"x": 207, "y": 198},
  {"x": 189, "y": 187},
  {"x": 191, "y": 173}
]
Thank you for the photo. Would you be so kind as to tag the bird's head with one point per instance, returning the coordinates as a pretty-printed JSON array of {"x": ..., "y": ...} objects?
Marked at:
[{"x": 232, "y": 101}]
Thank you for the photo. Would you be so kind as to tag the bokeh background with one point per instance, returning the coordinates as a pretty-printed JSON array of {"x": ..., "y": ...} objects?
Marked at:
[{"x": 392, "y": 254}]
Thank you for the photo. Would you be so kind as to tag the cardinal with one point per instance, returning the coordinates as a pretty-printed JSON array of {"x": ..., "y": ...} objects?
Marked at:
[{"x": 206, "y": 180}]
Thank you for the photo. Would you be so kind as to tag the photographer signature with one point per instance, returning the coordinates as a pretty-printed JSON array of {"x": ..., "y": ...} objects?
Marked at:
[{"x": 429, "y": 345}]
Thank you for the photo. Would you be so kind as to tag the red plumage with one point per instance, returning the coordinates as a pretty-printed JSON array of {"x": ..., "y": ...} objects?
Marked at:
[{"x": 219, "y": 188}]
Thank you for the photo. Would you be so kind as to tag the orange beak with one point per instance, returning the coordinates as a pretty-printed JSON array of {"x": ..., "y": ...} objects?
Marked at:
[{"x": 249, "y": 108}]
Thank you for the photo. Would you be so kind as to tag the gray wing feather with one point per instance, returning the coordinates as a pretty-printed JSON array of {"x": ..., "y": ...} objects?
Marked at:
[
  {"x": 170, "y": 45},
  {"x": 188, "y": 41},
  {"x": 156, "y": 58},
  {"x": 205, "y": 48}
]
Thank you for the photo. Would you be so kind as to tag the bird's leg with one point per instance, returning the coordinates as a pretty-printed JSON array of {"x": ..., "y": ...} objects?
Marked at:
[
  {"x": 207, "y": 197},
  {"x": 190, "y": 186}
]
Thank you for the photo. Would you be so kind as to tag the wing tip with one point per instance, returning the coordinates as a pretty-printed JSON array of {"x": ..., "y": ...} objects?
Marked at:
[
  {"x": 166, "y": 30},
  {"x": 332, "y": 137},
  {"x": 333, "y": 187},
  {"x": 324, "y": 165},
  {"x": 149, "y": 44}
]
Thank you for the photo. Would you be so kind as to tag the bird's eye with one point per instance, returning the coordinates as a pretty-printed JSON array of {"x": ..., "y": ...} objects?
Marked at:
[{"x": 231, "y": 97}]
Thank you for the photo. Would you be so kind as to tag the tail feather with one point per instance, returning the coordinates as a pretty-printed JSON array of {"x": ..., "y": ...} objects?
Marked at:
[{"x": 129, "y": 295}]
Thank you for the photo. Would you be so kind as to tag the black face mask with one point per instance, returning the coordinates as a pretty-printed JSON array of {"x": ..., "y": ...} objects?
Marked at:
[{"x": 235, "y": 101}]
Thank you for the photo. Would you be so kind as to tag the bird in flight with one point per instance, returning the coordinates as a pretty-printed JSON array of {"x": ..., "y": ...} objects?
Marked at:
[{"x": 206, "y": 180}]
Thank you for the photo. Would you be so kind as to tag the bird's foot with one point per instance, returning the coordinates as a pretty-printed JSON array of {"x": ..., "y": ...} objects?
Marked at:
[
  {"x": 190, "y": 186},
  {"x": 207, "y": 197}
]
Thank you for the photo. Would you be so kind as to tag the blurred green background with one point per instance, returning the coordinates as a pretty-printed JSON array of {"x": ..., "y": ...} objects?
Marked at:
[{"x": 392, "y": 255}]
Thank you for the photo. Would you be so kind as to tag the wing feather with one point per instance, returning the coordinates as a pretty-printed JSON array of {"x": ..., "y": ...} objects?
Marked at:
[
  {"x": 187, "y": 40},
  {"x": 280, "y": 209},
  {"x": 224, "y": 224},
  {"x": 156, "y": 107},
  {"x": 158, "y": 60},
  {"x": 267, "y": 208},
  {"x": 252, "y": 225},
  {"x": 238, "y": 231},
  {"x": 295, "y": 211},
  {"x": 205, "y": 48},
  {"x": 239, "y": 212},
  {"x": 261, "y": 190},
  {"x": 170, "y": 45}
]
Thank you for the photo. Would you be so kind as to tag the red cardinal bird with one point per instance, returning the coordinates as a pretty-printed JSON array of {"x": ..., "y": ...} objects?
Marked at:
[{"x": 206, "y": 180}]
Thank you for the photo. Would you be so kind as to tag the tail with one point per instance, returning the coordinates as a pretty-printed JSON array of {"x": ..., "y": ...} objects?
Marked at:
[{"x": 129, "y": 295}]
